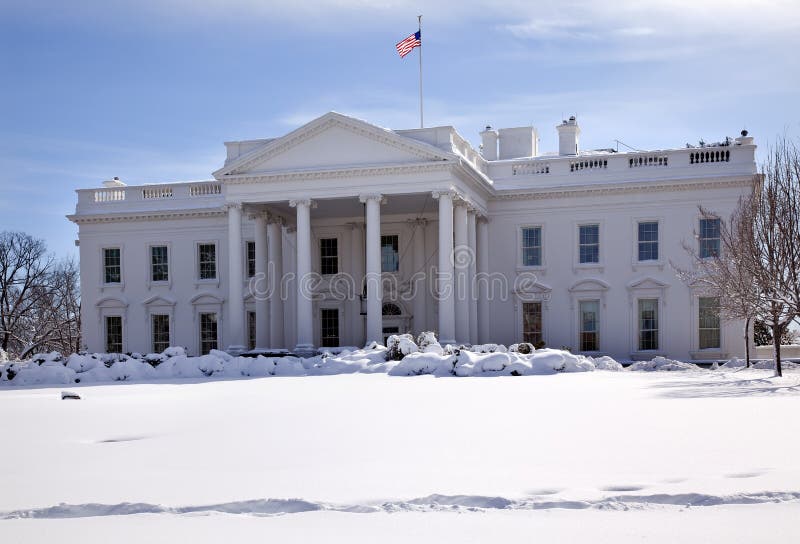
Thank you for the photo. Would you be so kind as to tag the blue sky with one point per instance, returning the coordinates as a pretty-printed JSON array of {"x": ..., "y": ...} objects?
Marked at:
[{"x": 149, "y": 90}]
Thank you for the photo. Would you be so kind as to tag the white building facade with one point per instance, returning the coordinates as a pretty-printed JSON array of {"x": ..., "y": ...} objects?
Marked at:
[{"x": 341, "y": 232}]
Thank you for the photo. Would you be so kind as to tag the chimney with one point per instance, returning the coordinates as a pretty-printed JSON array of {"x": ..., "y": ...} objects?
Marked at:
[
  {"x": 489, "y": 143},
  {"x": 568, "y": 132},
  {"x": 518, "y": 142},
  {"x": 113, "y": 182}
]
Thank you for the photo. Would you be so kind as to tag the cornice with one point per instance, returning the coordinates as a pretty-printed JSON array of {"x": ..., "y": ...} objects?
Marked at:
[
  {"x": 145, "y": 216},
  {"x": 603, "y": 190},
  {"x": 277, "y": 177}
]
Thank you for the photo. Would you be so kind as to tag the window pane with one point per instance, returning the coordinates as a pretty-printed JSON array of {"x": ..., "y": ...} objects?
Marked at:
[
  {"x": 160, "y": 330},
  {"x": 648, "y": 324},
  {"x": 329, "y": 327},
  {"x": 251, "y": 330},
  {"x": 390, "y": 258},
  {"x": 114, "y": 334},
  {"x": 589, "y": 315},
  {"x": 532, "y": 322},
  {"x": 532, "y": 246},
  {"x": 207, "y": 261},
  {"x": 112, "y": 265},
  {"x": 159, "y": 265},
  {"x": 589, "y": 243},
  {"x": 709, "y": 322},
  {"x": 208, "y": 332},
  {"x": 648, "y": 241},
  {"x": 251, "y": 259},
  {"x": 329, "y": 255},
  {"x": 709, "y": 237}
]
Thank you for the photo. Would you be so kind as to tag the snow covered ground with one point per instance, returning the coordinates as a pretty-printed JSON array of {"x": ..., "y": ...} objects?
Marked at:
[{"x": 697, "y": 455}]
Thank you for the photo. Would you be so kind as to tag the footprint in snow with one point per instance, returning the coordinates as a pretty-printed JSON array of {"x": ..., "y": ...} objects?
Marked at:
[
  {"x": 121, "y": 439},
  {"x": 623, "y": 488}
]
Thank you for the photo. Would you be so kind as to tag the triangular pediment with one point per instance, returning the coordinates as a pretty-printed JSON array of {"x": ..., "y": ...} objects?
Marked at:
[
  {"x": 333, "y": 141},
  {"x": 647, "y": 283}
]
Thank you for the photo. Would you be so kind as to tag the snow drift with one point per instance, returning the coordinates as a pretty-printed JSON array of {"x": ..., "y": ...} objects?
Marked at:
[{"x": 403, "y": 356}]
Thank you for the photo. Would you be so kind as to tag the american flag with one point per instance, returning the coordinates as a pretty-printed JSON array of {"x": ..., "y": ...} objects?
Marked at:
[{"x": 404, "y": 47}]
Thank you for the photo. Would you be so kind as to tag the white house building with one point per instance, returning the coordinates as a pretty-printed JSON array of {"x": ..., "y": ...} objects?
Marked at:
[{"x": 412, "y": 230}]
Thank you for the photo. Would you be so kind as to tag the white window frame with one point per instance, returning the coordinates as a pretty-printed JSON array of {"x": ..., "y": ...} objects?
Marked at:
[
  {"x": 246, "y": 244},
  {"x": 121, "y": 331},
  {"x": 318, "y": 321},
  {"x": 520, "y": 250},
  {"x": 576, "y": 240},
  {"x": 339, "y": 254},
  {"x": 199, "y": 328},
  {"x": 149, "y": 264},
  {"x": 121, "y": 282},
  {"x": 198, "y": 280},
  {"x": 399, "y": 251},
  {"x": 699, "y": 234},
  {"x": 635, "y": 262},
  {"x": 154, "y": 312},
  {"x": 597, "y": 331},
  {"x": 659, "y": 329}
]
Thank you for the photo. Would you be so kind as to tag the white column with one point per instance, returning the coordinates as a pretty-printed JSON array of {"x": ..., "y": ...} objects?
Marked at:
[
  {"x": 447, "y": 328},
  {"x": 482, "y": 250},
  {"x": 275, "y": 275},
  {"x": 305, "y": 325},
  {"x": 236, "y": 327},
  {"x": 471, "y": 268},
  {"x": 419, "y": 306},
  {"x": 374, "y": 286},
  {"x": 460, "y": 260},
  {"x": 259, "y": 285},
  {"x": 357, "y": 271}
]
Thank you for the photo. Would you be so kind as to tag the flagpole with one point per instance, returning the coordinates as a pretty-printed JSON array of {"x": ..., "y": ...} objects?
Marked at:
[{"x": 419, "y": 17}]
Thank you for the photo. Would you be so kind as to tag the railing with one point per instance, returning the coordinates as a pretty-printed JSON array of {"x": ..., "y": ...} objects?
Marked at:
[
  {"x": 588, "y": 164},
  {"x": 109, "y": 195},
  {"x": 530, "y": 168},
  {"x": 205, "y": 189},
  {"x": 151, "y": 192},
  {"x": 648, "y": 160},
  {"x": 714, "y": 155}
]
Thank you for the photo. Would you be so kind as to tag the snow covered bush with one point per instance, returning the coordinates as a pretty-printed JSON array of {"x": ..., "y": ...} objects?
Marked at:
[
  {"x": 661, "y": 364},
  {"x": 525, "y": 348},
  {"x": 427, "y": 343},
  {"x": 400, "y": 345}
]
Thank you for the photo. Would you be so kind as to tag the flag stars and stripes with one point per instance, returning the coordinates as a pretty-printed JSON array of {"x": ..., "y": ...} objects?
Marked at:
[{"x": 404, "y": 47}]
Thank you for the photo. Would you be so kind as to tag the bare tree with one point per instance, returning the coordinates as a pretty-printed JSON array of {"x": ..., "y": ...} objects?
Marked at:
[
  {"x": 756, "y": 274},
  {"x": 39, "y": 298},
  {"x": 720, "y": 275}
]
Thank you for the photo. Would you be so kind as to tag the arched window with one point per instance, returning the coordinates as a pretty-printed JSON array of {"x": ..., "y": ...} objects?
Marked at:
[{"x": 391, "y": 308}]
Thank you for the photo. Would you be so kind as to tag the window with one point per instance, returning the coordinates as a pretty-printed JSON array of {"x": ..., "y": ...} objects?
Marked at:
[
  {"x": 159, "y": 263},
  {"x": 648, "y": 323},
  {"x": 389, "y": 331},
  {"x": 207, "y": 261},
  {"x": 159, "y": 324},
  {"x": 590, "y": 312},
  {"x": 390, "y": 258},
  {"x": 709, "y": 237},
  {"x": 329, "y": 256},
  {"x": 113, "y": 334},
  {"x": 390, "y": 308},
  {"x": 648, "y": 241},
  {"x": 251, "y": 259},
  {"x": 112, "y": 265},
  {"x": 532, "y": 246},
  {"x": 208, "y": 332},
  {"x": 532, "y": 322},
  {"x": 251, "y": 330},
  {"x": 330, "y": 327},
  {"x": 589, "y": 243},
  {"x": 709, "y": 322}
]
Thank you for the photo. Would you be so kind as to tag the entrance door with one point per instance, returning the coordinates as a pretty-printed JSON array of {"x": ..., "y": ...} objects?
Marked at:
[{"x": 388, "y": 331}]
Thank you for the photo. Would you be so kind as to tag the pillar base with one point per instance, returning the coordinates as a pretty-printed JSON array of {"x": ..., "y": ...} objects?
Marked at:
[
  {"x": 444, "y": 341},
  {"x": 305, "y": 350},
  {"x": 235, "y": 350}
]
